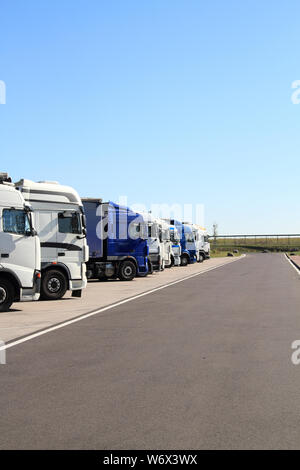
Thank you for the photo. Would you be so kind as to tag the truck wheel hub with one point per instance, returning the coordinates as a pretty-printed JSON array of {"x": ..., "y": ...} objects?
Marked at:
[
  {"x": 54, "y": 285},
  {"x": 2, "y": 295}
]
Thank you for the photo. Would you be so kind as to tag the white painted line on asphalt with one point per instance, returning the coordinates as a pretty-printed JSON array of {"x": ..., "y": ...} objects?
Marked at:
[
  {"x": 109, "y": 307},
  {"x": 292, "y": 264}
]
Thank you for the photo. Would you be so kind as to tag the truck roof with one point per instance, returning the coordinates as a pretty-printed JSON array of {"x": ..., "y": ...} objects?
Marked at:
[
  {"x": 201, "y": 229},
  {"x": 9, "y": 196},
  {"x": 150, "y": 218},
  {"x": 96, "y": 200},
  {"x": 45, "y": 191}
]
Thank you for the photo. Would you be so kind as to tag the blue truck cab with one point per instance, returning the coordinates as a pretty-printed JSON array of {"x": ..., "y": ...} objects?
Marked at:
[
  {"x": 187, "y": 242},
  {"x": 117, "y": 239}
]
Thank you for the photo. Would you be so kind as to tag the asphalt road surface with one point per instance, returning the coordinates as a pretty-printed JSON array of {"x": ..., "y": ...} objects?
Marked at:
[{"x": 205, "y": 363}]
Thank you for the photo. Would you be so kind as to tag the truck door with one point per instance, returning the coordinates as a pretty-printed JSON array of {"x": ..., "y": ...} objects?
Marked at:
[
  {"x": 70, "y": 241},
  {"x": 46, "y": 224},
  {"x": 17, "y": 246}
]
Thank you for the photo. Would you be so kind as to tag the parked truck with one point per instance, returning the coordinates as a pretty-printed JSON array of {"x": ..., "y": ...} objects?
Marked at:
[
  {"x": 202, "y": 242},
  {"x": 176, "y": 246},
  {"x": 159, "y": 241},
  {"x": 168, "y": 254},
  {"x": 60, "y": 223},
  {"x": 20, "y": 257},
  {"x": 155, "y": 241},
  {"x": 187, "y": 242},
  {"x": 117, "y": 239},
  {"x": 206, "y": 244}
]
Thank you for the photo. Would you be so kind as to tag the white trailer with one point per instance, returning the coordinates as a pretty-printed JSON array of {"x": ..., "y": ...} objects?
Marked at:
[
  {"x": 60, "y": 223},
  {"x": 20, "y": 253}
]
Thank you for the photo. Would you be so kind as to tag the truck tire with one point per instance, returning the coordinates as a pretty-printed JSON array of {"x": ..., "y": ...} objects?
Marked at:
[
  {"x": 150, "y": 266},
  {"x": 184, "y": 260},
  {"x": 54, "y": 285},
  {"x": 6, "y": 295},
  {"x": 201, "y": 258},
  {"x": 127, "y": 271}
]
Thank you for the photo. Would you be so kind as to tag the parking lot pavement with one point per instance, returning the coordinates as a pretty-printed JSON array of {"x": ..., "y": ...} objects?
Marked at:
[
  {"x": 26, "y": 318},
  {"x": 202, "y": 364}
]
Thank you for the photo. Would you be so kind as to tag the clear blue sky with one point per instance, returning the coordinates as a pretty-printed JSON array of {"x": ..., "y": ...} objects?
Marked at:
[{"x": 161, "y": 100}]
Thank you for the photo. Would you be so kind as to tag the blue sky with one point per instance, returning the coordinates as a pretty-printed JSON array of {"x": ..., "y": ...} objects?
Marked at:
[{"x": 162, "y": 101}]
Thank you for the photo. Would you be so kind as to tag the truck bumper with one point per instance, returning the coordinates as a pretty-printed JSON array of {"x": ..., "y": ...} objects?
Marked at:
[
  {"x": 193, "y": 256},
  {"x": 77, "y": 284},
  {"x": 155, "y": 260},
  {"x": 143, "y": 268},
  {"x": 177, "y": 260},
  {"x": 32, "y": 293}
]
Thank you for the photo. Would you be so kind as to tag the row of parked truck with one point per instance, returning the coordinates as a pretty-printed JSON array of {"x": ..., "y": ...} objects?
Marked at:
[{"x": 52, "y": 241}]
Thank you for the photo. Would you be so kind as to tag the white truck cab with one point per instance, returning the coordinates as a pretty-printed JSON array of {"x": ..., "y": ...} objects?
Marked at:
[
  {"x": 176, "y": 246},
  {"x": 202, "y": 242},
  {"x": 155, "y": 241},
  {"x": 168, "y": 253},
  {"x": 159, "y": 241},
  {"x": 206, "y": 243},
  {"x": 60, "y": 223},
  {"x": 19, "y": 248}
]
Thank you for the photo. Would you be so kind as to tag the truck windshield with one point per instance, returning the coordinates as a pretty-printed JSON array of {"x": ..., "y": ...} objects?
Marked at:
[
  {"x": 166, "y": 235},
  {"x": 15, "y": 221},
  {"x": 153, "y": 231},
  {"x": 69, "y": 222},
  {"x": 174, "y": 237},
  {"x": 189, "y": 237}
]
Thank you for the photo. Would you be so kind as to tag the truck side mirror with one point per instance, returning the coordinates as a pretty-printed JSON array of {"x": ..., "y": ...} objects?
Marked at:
[
  {"x": 84, "y": 231},
  {"x": 31, "y": 233}
]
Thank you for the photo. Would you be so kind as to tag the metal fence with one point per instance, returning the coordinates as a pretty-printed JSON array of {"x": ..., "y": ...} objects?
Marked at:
[{"x": 273, "y": 242}]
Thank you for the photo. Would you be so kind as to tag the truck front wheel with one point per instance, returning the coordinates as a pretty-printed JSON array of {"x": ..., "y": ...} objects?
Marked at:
[
  {"x": 54, "y": 285},
  {"x": 127, "y": 271},
  {"x": 150, "y": 266},
  {"x": 172, "y": 261},
  {"x": 6, "y": 295},
  {"x": 184, "y": 260}
]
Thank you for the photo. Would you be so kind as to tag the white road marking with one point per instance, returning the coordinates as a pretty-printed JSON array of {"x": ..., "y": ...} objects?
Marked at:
[
  {"x": 104, "y": 309},
  {"x": 292, "y": 264}
]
